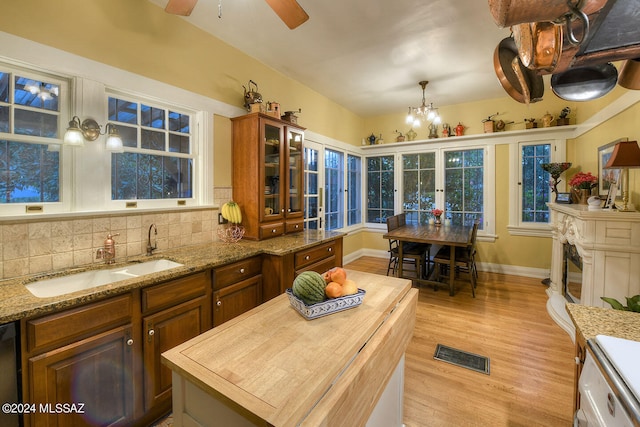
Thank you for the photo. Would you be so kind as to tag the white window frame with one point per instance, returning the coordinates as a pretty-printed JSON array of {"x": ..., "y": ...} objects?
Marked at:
[
  {"x": 87, "y": 181},
  {"x": 516, "y": 226},
  {"x": 65, "y": 159},
  {"x": 488, "y": 233}
]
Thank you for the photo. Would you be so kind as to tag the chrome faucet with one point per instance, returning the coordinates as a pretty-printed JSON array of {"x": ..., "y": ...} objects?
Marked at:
[
  {"x": 108, "y": 251},
  {"x": 150, "y": 248}
]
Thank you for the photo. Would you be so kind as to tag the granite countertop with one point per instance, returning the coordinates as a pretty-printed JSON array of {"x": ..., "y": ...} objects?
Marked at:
[
  {"x": 591, "y": 321},
  {"x": 17, "y": 302}
]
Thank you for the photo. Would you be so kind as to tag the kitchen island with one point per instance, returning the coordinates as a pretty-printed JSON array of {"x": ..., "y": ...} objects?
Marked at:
[{"x": 272, "y": 367}]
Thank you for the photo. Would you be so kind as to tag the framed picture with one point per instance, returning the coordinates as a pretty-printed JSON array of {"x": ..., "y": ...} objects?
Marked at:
[
  {"x": 607, "y": 176},
  {"x": 563, "y": 198},
  {"x": 610, "y": 203}
]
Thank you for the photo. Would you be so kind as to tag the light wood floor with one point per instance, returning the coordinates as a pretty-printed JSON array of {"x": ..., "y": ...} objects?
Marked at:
[{"x": 531, "y": 358}]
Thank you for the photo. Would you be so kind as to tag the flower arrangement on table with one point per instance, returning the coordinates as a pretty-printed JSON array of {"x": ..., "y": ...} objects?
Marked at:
[
  {"x": 583, "y": 181},
  {"x": 555, "y": 170},
  {"x": 437, "y": 213}
]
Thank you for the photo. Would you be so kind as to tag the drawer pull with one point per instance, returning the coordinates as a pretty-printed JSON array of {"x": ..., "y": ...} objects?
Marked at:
[
  {"x": 330, "y": 249},
  {"x": 242, "y": 270},
  {"x": 297, "y": 226},
  {"x": 151, "y": 332},
  {"x": 129, "y": 342},
  {"x": 307, "y": 258},
  {"x": 273, "y": 231},
  {"x": 218, "y": 303}
]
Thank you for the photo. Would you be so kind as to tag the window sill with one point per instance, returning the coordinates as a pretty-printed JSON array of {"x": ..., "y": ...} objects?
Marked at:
[{"x": 530, "y": 231}]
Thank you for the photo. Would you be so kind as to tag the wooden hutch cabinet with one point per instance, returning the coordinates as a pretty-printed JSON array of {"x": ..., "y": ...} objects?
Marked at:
[{"x": 268, "y": 175}]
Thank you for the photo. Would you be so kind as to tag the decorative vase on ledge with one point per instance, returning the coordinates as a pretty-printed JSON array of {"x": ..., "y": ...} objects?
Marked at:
[{"x": 583, "y": 195}]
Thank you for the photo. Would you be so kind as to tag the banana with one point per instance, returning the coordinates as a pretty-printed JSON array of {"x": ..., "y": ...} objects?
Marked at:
[{"x": 225, "y": 211}]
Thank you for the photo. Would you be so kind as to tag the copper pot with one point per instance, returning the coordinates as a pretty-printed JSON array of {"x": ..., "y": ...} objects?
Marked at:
[
  {"x": 521, "y": 83},
  {"x": 539, "y": 45},
  {"x": 629, "y": 77}
]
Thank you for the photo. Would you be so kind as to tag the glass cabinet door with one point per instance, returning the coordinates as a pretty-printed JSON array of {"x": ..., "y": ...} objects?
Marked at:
[
  {"x": 272, "y": 156},
  {"x": 295, "y": 175}
]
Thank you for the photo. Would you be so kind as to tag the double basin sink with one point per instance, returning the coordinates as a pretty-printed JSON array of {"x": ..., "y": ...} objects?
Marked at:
[{"x": 93, "y": 278}]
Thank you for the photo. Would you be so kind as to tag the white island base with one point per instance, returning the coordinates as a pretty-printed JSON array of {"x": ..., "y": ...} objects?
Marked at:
[
  {"x": 271, "y": 367},
  {"x": 193, "y": 407}
]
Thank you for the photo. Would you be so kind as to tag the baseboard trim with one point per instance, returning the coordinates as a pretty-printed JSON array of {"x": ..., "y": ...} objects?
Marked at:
[{"x": 514, "y": 270}]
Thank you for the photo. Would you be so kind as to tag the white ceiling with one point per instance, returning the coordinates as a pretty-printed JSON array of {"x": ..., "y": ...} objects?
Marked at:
[{"x": 369, "y": 55}]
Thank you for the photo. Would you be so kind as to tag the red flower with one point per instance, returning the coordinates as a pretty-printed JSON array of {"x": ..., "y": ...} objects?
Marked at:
[
  {"x": 583, "y": 180},
  {"x": 436, "y": 212}
]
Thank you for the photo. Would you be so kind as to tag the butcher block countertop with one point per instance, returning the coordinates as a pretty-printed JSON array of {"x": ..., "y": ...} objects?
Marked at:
[{"x": 274, "y": 366}]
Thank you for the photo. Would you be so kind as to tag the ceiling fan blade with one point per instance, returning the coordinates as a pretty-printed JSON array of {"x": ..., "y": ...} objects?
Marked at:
[
  {"x": 289, "y": 11},
  {"x": 180, "y": 7}
]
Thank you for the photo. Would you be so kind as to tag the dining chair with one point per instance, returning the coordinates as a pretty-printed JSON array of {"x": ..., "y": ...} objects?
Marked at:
[
  {"x": 414, "y": 255},
  {"x": 465, "y": 261}
]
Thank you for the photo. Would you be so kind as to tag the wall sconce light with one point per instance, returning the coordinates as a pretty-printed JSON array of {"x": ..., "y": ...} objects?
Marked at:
[
  {"x": 626, "y": 154},
  {"x": 90, "y": 130}
]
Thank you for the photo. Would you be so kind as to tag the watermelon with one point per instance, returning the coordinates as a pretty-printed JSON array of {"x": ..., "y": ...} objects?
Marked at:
[{"x": 309, "y": 287}]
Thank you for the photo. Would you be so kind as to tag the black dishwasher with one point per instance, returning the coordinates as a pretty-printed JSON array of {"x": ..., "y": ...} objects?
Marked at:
[{"x": 9, "y": 368}]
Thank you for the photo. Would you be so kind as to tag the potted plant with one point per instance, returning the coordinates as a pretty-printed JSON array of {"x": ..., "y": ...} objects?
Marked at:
[{"x": 582, "y": 183}]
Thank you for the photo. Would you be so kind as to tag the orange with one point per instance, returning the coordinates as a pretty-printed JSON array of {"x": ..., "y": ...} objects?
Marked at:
[
  {"x": 349, "y": 287},
  {"x": 333, "y": 290},
  {"x": 338, "y": 274}
]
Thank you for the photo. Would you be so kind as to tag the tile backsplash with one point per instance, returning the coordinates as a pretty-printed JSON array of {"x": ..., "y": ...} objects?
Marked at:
[{"x": 41, "y": 245}]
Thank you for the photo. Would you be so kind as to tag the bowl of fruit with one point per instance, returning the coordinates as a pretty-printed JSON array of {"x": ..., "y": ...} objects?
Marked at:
[{"x": 315, "y": 295}]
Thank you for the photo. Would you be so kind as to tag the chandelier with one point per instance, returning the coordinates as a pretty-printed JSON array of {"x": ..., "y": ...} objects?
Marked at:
[{"x": 424, "y": 112}]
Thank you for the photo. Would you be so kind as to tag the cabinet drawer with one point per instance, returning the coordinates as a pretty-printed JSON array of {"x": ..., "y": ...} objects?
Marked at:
[
  {"x": 320, "y": 266},
  {"x": 271, "y": 230},
  {"x": 174, "y": 292},
  {"x": 294, "y": 226},
  {"x": 236, "y": 272},
  {"x": 309, "y": 256},
  {"x": 73, "y": 324}
]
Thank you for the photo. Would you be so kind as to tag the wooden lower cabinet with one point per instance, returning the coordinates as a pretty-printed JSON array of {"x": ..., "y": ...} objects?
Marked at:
[
  {"x": 280, "y": 271},
  {"x": 237, "y": 288},
  {"x": 89, "y": 382},
  {"x": 106, "y": 355},
  {"x": 163, "y": 331}
]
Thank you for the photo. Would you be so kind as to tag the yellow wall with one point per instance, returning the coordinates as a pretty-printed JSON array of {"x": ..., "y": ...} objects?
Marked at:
[{"x": 137, "y": 36}]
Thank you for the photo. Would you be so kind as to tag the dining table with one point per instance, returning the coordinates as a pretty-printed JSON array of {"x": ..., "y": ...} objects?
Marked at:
[{"x": 442, "y": 235}]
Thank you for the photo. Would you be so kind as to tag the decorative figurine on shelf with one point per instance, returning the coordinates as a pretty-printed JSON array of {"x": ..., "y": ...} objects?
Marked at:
[
  {"x": 446, "y": 130},
  {"x": 400, "y": 137},
  {"x": 547, "y": 120},
  {"x": 530, "y": 123},
  {"x": 372, "y": 139},
  {"x": 380, "y": 140},
  {"x": 460, "y": 129},
  {"x": 411, "y": 134},
  {"x": 433, "y": 131},
  {"x": 555, "y": 170},
  {"x": 563, "y": 118},
  {"x": 489, "y": 123}
]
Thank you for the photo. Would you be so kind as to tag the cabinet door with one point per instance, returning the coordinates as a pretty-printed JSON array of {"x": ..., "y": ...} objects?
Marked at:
[
  {"x": 236, "y": 299},
  {"x": 95, "y": 374},
  {"x": 272, "y": 166},
  {"x": 294, "y": 173},
  {"x": 161, "y": 332}
]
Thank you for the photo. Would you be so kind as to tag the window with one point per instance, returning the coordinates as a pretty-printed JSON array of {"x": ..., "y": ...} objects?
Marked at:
[
  {"x": 418, "y": 186},
  {"x": 535, "y": 188},
  {"x": 529, "y": 190},
  {"x": 312, "y": 185},
  {"x": 157, "y": 162},
  {"x": 354, "y": 196},
  {"x": 380, "y": 188},
  {"x": 30, "y": 136},
  {"x": 334, "y": 189},
  {"x": 464, "y": 186}
]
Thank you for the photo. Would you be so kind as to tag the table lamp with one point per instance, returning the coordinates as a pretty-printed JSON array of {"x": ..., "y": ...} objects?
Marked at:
[{"x": 626, "y": 155}]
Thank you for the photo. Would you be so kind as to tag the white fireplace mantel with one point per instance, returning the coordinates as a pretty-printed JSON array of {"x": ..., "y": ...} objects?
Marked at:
[{"x": 609, "y": 244}]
